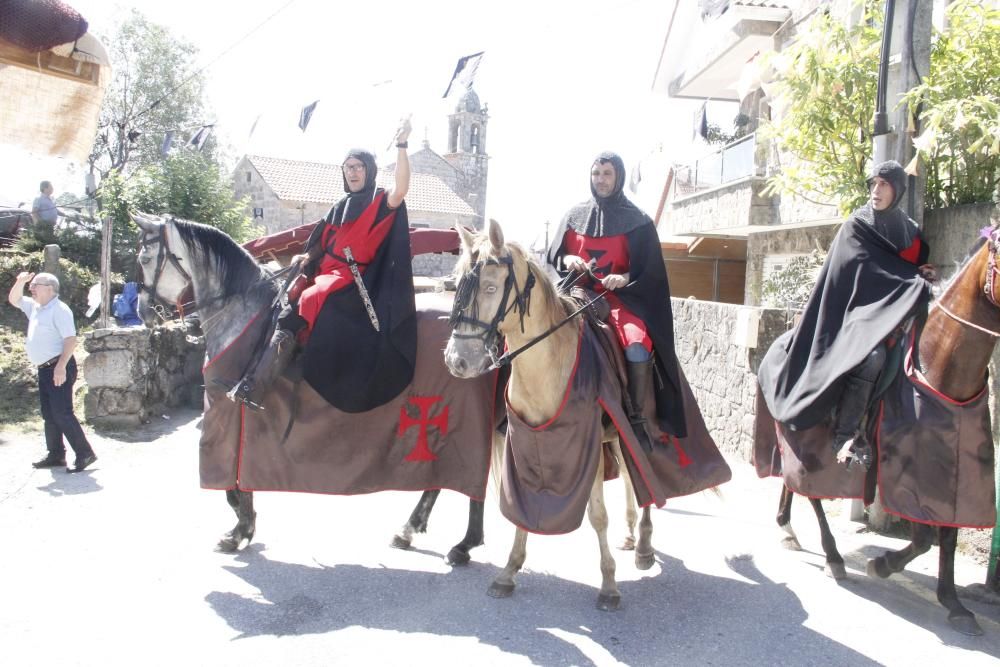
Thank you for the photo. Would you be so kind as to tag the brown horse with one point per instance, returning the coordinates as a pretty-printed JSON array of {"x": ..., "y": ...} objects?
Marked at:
[{"x": 954, "y": 348}]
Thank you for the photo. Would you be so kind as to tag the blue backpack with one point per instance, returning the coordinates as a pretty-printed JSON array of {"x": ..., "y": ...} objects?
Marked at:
[{"x": 125, "y": 306}]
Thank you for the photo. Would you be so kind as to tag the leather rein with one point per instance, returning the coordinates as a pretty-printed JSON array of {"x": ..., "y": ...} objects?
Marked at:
[{"x": 993, "y": 244}]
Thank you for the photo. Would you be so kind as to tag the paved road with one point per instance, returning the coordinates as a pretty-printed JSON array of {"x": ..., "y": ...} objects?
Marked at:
[{"x": 115, "y": 567}]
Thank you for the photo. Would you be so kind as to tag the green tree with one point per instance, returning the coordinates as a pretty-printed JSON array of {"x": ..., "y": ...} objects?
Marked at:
[
  {"x": 959, "y": 144},
  {"x": 826, "y": 85},
  {"x": 152, "y": 92}
]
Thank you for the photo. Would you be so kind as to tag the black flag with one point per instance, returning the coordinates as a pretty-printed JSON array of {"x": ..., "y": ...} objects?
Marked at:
[
  {"x": 465, "y": 71},
  {"x": 197, "y": 141},
  {"x": 306, "y": 115}
]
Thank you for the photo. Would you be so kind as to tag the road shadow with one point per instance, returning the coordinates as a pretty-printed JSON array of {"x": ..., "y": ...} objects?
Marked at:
[
  {"x": 159, "y": 425},
  {"x": 913, "y": 597},
  {"x": 684, "y": 616},
  {"x": 75, "y": 484}
]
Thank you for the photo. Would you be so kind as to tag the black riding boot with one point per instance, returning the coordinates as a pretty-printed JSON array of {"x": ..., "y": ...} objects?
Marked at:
[
  {"x": 640, "y": 376},
  {"x": 254, "y": 386},
  {"x": 849, "y": 439}
]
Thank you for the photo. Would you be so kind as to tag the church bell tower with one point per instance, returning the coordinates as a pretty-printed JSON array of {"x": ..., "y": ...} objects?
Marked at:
[{"x": 467, "y": 150}]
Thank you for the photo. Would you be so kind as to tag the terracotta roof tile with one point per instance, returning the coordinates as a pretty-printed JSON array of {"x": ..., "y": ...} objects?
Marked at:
[{"x": 295, "y": 180}]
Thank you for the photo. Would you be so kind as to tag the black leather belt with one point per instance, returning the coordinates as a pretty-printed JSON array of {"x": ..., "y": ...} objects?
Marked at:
[{"x": 48, "y": 364}]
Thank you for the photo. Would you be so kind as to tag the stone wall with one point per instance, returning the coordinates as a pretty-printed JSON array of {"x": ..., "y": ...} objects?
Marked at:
[
  {"x": 716, "y": 348},
  {"x": 781, "y": 241},
  {"x": 134, "y": 372},
  {"x": 733, "y": 205}
]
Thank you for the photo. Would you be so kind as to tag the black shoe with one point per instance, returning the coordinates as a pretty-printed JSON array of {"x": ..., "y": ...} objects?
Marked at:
[
  {"x": 49, "y": 462},
  {"x": 82, "y": 463}
]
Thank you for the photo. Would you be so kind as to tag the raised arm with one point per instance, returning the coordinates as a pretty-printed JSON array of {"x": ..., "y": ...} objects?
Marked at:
[
  {"x": 402, "y": 165},
  {"x": 17, "y": 290}
]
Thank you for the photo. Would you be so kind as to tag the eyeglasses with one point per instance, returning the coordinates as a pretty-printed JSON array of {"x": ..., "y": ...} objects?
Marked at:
[
  {"x": 41, "y": 285},
  {"x": 353, "y": 168}
]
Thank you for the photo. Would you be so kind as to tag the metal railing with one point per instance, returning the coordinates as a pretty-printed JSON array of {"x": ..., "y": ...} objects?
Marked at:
[{"x": 730, "y": 163}]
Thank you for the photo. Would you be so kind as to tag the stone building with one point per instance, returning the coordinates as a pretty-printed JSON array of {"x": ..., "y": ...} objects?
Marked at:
[{"x": 445, "y": 190}]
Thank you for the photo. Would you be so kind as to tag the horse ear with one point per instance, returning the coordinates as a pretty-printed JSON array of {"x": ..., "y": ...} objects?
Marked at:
[
  {"x": 496, "y": 235},
  {"x": 146, "y": 222},
  {"x": 466, "y": 237}
]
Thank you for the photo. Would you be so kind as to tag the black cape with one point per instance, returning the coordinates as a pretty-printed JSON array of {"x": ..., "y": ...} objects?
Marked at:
[
  {"x": 865, "y": 290},
  {"x": 347, "y": 362},
  {"x": 648, "y": 298}
]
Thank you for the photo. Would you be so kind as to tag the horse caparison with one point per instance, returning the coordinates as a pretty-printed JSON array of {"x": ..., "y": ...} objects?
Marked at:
[
  {"x": 230, "y": 288},
  {"x": 953, "y": 351}
]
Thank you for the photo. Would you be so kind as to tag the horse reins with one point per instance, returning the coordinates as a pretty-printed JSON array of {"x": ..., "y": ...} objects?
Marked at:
[{"x": 988, "y": 286}]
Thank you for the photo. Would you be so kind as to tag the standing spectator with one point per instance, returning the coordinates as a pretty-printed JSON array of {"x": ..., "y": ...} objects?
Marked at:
[
  {"x": 50, "y": 344},
  {"x": 44, "y": 213}
]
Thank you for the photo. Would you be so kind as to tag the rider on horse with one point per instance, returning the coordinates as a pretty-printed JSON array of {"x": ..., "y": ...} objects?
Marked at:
[
  {"x": 874, "y": 280},
  {"x": 357, "y": 313},
  {"x": 614, "y": 246}
]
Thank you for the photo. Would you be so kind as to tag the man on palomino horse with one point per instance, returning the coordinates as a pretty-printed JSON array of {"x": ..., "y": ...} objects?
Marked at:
[
  {"x": 357, "y": 314},
  {"x": 875, "y": 279},
  {"x": 614, "y": 246}
]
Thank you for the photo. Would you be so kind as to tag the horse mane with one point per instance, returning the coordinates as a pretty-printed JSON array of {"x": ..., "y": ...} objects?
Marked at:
[
  {"x": 960, "y": 265},
  {"x": 238, "y": 270},
  {"x": 556, "y": 305}
]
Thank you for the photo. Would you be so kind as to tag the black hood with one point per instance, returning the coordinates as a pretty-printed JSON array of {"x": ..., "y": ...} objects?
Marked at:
[
  {"x": 892, "y": 223},
  {"x": 893, "y": 172},
  {"x": 606, "y": 216},
  {"x": 351, "y": 206}
]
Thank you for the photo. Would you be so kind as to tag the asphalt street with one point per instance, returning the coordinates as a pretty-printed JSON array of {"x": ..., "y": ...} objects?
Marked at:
[{"x": 115, "y": 566}]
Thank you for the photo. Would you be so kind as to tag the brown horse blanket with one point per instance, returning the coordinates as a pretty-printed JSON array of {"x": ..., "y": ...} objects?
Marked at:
[
  {"x": 934, "y": 456},
  {"x": 436, "y": 434},
  {"x": 549, "y": 470}
]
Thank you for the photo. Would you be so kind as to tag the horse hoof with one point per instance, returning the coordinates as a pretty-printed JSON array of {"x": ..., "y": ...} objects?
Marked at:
[
  {"x": 791, "y": 543},
  {"x": 399, "y": 542},
  {"x": 628, "y": 544},
  {"x": 836, "y": 570},
  {"x": 877, "y": 568},
  {"x": 227, "y": 545},
  {"x": 498, "y": 590},
  {"x": 458, "y": 557},
  {"x": 967, "y": 625},
  {"x": 644, "y": 561},
  {"x": 609, "y": 601}
]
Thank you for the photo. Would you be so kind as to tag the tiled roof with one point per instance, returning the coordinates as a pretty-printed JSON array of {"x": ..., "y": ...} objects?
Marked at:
[
  {"x": 763, "y": 3},
  {"x": 294, "y": 180}
]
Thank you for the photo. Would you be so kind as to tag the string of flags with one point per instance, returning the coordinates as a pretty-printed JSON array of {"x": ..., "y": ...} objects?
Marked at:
[{"x": 463, "y": 77}]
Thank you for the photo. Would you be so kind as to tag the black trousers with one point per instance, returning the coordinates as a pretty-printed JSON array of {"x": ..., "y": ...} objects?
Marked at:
[{"x": 57, "y": 411}]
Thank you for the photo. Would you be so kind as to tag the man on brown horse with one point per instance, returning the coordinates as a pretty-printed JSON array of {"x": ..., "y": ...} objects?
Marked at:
[
  {"x": 875, "y": 279},
  {"x": 613, "y": 244},
  {"x": 357, "y": 312}
]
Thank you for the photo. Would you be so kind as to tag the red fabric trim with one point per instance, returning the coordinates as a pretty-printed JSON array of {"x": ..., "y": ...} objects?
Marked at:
[
  {"x": 243, "y": 331},
  {"x": 908, "y": 369},
  {"x": 628, "y": 445},
  {"x": 345, "y": 495},
  {"x": 243, "y": 432},
  {"x": 569, "y": 387}
]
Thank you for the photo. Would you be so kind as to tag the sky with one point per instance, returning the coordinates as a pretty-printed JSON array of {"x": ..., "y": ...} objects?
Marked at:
[{"x": 563, "y": 80}]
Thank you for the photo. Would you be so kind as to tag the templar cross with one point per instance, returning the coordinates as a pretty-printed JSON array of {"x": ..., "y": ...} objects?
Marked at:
[{"x": 422, "y": 452}]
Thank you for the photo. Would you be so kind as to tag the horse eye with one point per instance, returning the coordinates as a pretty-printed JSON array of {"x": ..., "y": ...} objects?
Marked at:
[{"x": 145, "y": 260}]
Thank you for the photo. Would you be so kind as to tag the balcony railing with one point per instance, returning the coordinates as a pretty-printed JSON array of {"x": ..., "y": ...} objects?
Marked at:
[{"x": 730, "y": 163}]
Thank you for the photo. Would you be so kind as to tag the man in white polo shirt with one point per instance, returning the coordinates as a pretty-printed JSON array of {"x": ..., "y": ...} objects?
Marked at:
[{"x": 50, "y": 344}]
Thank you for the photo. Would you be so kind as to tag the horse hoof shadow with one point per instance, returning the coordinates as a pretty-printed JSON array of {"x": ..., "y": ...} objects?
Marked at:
[
  {"x": 497, "y": 590},
  {"x": 967, "y": 625},
  {"x": 836, "y": 570},
  {"x": 609, "y": 602}
]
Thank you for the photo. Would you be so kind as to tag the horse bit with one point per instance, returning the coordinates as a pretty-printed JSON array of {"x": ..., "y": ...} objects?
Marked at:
[{"x": 465, "y": 296}]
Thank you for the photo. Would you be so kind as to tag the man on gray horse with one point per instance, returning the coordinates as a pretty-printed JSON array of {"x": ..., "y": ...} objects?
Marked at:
[
  {"x": 614, "y": 246},
  {"x": 357, "y": 312},
  {"x": 874, "y": 280}
]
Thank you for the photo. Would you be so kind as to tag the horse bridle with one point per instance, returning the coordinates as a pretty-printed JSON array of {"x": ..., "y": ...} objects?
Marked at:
[
  {"x": 164, "y": 255},
  {"x": 992, "y": 236},
  {"x": 465, "y": 298}
]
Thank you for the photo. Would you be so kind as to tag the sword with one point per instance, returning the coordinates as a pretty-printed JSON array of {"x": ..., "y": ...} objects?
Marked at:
[{"x": 361, "y": 287}]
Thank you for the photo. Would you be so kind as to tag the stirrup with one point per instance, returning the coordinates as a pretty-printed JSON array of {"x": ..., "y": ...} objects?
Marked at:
[{"x": 854, "y": 450}]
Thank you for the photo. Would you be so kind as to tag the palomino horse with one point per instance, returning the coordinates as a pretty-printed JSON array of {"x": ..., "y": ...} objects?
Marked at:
[
  {"x": 230, "y": 289},
  {"x": 562, "y": 385},
  {"x": 954, "y": 348}
]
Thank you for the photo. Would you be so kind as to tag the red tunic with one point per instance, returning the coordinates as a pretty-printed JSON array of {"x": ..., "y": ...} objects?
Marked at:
[
  {"x": 611, "y": 256},
  {"x": 363, "y": 236}
]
